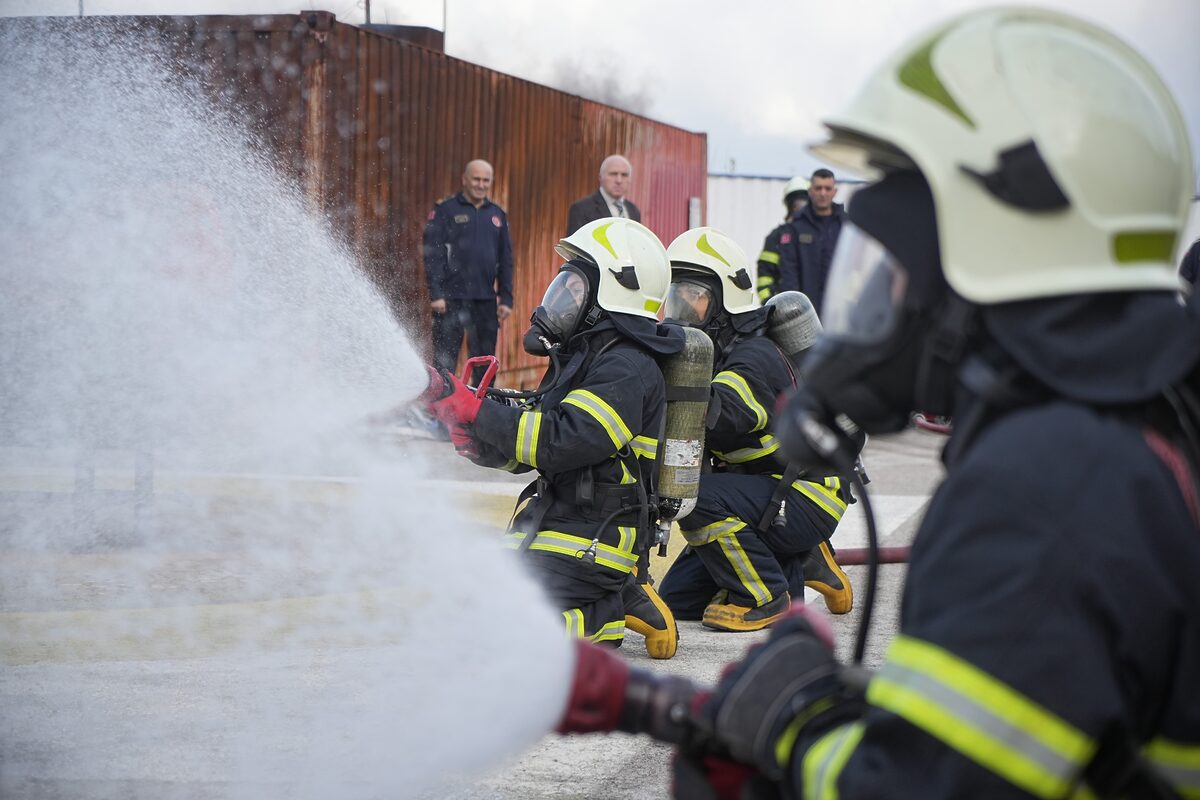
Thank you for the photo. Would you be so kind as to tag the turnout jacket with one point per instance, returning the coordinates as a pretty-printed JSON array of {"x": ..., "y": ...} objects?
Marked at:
[
  {"x": 1051, "y": 608},
  {"x": 740, "y": 438},
  {"x": 468, "y": 251},
  {"x": 768, "y": 262},
  {"x": 593, "y": 440}
]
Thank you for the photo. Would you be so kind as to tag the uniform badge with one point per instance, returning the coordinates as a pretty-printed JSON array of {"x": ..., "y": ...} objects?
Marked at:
[
  {"x": 806, "y": 238},
  {"x": 496, "y": 220},
  {"x": 785, "y": 238},
  {"x": 462, "y": 218}
]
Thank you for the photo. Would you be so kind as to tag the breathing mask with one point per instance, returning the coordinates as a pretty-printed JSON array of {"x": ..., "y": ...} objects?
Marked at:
[{"x": 566, "y": 308}]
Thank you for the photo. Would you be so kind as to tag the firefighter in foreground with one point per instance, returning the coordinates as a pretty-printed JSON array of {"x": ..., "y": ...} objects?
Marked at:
[
  {"x": 1014, "y": 266},
  {"x": 795, "y": 195},
  {"x": 590, "y": 431},
  {"x": 760, "y": 529}
]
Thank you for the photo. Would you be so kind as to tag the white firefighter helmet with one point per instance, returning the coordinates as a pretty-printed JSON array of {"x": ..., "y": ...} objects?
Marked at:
[
  {"x": 796, "y": 184},
  {"x": 1058, "y": 160},
  {"x": 634, "y": 271},
  {"x": 712, "y": 251}
]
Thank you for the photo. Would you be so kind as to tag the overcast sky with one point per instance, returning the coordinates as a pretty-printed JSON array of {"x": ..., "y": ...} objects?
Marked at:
[{"x": 757, "y": 76}]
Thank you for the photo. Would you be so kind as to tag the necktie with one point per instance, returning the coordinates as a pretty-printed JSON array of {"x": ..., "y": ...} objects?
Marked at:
[{"x": 620, "y": 204}]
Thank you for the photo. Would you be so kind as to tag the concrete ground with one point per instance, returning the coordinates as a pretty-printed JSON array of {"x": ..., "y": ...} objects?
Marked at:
[{"x": 903, "y": 470}]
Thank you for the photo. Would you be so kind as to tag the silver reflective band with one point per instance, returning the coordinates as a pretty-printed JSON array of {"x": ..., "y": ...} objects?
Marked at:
[{"x": 866, "y": 289}]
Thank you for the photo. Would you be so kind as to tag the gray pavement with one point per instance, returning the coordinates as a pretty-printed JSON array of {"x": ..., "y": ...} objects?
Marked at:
[{"x": 160, "y": 711}]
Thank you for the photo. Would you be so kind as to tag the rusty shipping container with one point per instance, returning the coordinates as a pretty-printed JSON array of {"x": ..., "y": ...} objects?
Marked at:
[{"x": 377, "y": 129}]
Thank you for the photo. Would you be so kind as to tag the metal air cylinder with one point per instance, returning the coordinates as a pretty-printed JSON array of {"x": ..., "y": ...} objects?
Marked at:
[
  {"x": 793, "y": 323},
  {"x": 688, "y": 375}
]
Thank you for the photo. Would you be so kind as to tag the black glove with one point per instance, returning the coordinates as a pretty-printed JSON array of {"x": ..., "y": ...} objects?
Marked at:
[{"x": 787, "y": 690}]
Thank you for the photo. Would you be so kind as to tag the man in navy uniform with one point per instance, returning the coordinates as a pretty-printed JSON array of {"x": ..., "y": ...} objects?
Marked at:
[{"x": 468, "y": 268}]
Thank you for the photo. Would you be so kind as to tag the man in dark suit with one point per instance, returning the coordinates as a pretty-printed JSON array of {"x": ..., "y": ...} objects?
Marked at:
[{"x": 607, "y": 201}]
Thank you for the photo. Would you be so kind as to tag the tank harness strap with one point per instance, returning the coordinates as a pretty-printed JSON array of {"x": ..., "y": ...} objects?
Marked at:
[
  {"x": 542, "y": 494},
  {"x": 781, "y": 489}
]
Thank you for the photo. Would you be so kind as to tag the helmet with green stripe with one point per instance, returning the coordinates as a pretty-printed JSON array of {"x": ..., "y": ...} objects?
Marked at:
[
  {"x": 1057, "y": 158},
  {"x": 708, "y": 251},
  {"x": 634, "y": 272}
]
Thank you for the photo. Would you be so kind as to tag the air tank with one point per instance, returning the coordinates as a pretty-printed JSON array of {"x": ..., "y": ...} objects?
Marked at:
[
  {"x": 688, "y": 374},
  {"x": 793, "y": 323}
]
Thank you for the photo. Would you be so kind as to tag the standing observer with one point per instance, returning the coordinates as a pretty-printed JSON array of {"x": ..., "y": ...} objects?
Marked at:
[
  {"x": 468, "y": 268},
  {"x": 607, "y": 201},
  {"x": 806, "y": 248}
]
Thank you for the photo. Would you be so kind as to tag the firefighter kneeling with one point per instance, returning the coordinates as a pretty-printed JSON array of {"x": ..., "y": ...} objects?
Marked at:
[
  {"x": 591, "y": 431},
  {"x": 760, "y": 530}
]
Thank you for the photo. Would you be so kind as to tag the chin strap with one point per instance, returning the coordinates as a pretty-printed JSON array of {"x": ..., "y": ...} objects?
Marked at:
[{"x": 943, "y": 352}]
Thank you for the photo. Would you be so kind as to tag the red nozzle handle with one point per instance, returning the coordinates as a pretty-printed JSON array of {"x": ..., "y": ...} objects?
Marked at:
[
  {"x": 489, "y": 374},
  {"x": 597, "y": 692}
]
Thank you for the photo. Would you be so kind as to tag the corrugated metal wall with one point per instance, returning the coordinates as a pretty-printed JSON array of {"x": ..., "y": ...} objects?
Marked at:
[{"x": 376, "y": 130}]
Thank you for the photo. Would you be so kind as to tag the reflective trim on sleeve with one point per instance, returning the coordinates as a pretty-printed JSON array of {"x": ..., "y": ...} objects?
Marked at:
[
  {"x": 511, "y": 465},
  {"x": 1178, "y": 764},
  {"x": 744, "y": 567},
  {"x": 983, "y": 719},
  {"x": 574, "y": 622},
  {"x": 742, "y": 388},
  {"x": 529, "y": 427},
  {"x": 712, "y": 530},
  {"x": 610, "y": 631},
  {"x": 645, "y": 446},
  {"x": 620, "y": 560},
  {"x": 823, "y": 762},
  {"x": 769, "y": 445},
  {"x": 603, "y": 413},
  {"x": 769, "y": 256}
]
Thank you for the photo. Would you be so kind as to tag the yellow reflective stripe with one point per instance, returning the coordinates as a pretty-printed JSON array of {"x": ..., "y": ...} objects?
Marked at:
[
  {"x": 827, "y": 499},
  {"x": 699, "y": 536},
  {"x": 621, "y": 560},
  {"x": 610, "y": 631},
  {"x": 764, "y": 293},
  {"x": 574, "y": 622},
  {"x": 769, "y": 256},
  {"x": 511, "y": 465},
  {"x": 529, "y": 427},
  {"x": 980, "y": 717},
  {"x": 823, "y": 762},
  {"x": 628, "y": 538},
  {"x": 644, "y": 446},
  {"x": 764, "y": 281},
  {"x": 603, "y": 413},
  {"x": 747, "y": 574},
  {"x": 1178, "y": 763},
  {"x": 742, "y": 388},
  {"x": 769, "y": 445}
]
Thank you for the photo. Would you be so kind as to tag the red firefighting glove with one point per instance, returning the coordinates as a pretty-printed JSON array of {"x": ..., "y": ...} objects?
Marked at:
[
  {"x": 459, "y": 406},
  {"x": 787, "y": 689},
  {"x": 464, "y": 443},
  {"x": 597, "y": 692}
]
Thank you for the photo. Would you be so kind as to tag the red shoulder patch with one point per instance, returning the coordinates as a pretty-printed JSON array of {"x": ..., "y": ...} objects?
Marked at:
[
  {"x": 785, "y": 238},
  {"x": 496, "y": 220},
  {"x": 432, "y": 215}
]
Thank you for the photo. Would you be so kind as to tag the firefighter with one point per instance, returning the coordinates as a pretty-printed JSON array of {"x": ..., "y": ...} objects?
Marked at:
[
  {"x": 1013, "y": 265},
  {"x": 591, "y": 432},
  {"x": 760, "y": 530},
  {"x": 795, "y": 195}
]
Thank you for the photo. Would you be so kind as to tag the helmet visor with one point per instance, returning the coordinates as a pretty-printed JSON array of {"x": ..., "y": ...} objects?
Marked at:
[
  {"x": 689, "y": 303},
  {"x": 865, "y": 295},
  {"x": 565, "y": 301}
]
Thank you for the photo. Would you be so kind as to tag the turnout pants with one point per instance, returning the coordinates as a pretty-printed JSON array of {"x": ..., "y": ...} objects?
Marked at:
[{"x": 727, "y": 552}]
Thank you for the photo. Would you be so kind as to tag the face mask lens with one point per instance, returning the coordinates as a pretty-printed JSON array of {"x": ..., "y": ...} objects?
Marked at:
[
  {"x": 689, "y": 303},
  {"x": 866, "y": 290},
  {"x": 564, "y": 301}
]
